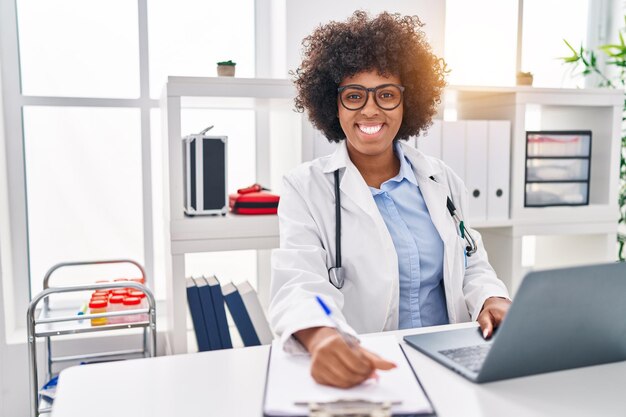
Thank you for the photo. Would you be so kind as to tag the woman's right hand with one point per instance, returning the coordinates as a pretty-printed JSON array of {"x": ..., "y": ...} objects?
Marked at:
[{"x": 335, "y": 363}]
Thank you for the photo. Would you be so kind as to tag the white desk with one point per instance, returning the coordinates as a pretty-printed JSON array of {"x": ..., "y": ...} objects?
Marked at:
[{"x": 231, "y": 383}]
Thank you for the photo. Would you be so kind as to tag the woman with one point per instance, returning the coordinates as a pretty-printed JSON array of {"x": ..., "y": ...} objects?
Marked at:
[{"x": 368, "y": 84}]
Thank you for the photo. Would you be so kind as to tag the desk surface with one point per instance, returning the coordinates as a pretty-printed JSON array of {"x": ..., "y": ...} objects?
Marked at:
[{"x": 231, "y": 383}]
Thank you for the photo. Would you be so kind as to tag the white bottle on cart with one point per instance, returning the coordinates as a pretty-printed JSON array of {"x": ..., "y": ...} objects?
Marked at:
[
  {"x": 142, "y": 304},
  {"x": 131, "y": 303},
  {"x": 116, "y": 304}
]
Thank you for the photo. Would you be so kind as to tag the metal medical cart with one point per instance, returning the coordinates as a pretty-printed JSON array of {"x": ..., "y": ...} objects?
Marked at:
[{"x": 52, "y": 321}]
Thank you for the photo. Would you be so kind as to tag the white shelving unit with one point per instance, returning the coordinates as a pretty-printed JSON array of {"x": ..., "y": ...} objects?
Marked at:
[
  {"x": 215, "y": 233},
  {"x": 574, "y": 235},
  {"x": 560, "y": 235}
]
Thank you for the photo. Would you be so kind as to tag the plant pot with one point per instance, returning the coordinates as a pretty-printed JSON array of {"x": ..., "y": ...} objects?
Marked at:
[
  {"x": 226, "y": 70},
  {"x": 524, "y": 79}
]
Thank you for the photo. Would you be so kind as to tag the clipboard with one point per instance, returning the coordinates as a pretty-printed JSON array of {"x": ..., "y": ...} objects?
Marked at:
[{"x": 290, "y": 391}]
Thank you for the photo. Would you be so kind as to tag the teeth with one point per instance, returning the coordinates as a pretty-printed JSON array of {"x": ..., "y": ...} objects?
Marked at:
[{"x": 370, "y": 130}]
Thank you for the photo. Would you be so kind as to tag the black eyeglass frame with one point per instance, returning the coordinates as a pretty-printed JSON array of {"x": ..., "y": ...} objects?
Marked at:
[{"x": 367, "y": 95}]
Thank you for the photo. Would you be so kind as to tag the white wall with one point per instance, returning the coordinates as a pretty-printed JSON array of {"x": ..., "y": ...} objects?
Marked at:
[
  {"x": 13, "y": 357},
  {"x": 304, "y": 16},
  {"x": 3, "y": 209},
  {"x": 294, "y": 20}
]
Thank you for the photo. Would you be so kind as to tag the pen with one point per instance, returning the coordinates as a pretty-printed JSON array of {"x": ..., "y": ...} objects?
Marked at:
[
  {"x": 82, "y": 311},
  {"x": 347, "y": 338}
]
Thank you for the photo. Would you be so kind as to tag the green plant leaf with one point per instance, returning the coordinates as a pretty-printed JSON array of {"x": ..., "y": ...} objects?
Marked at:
[
  {"x": 616, "y": 54},
  {"x": 571, "y": 48},
  {"x": 617, "y": 63},
  {"x": 570, "y": 59},
  {"x": 613, "y": 50}
]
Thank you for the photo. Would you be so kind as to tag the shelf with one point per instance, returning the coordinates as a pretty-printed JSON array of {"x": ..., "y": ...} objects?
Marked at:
[
  {"x": 76, "y": 326},
  {"x": 490, "y": 224},
  {"x": 220, "y": 233},
  {"x": 46, "y": 322},
  {"x": 534, "y": 95},
  {"x": 555, "y": 181},
  {"x": 230, "y": 226},
  {"x": 261, "y": 88},
  {"x": 238, "y": 232},
  {"x": 556, "y": 157},
  {"x": 562, "y": 227},
  {"x": 527, "y": 108}
]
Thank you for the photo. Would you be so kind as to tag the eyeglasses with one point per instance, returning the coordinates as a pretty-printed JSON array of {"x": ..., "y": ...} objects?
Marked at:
[{"x": 386, "y": 96}]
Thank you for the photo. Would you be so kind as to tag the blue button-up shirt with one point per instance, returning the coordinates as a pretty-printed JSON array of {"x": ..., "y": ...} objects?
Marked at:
[{"x": 418, "y": 245}]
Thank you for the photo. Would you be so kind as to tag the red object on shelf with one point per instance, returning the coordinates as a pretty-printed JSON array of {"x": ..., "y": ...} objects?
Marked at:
[
  {"x": 120, "y": 291},
  {"x": 131, "y": 301},
  {"x": 260, "y": 202},
  {"x": 252, "y": 189},
  {"x": 98, "y": 303}
]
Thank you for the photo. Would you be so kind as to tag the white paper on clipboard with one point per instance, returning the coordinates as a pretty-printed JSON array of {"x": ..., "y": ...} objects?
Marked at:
[{"x": 289, "y": 381}]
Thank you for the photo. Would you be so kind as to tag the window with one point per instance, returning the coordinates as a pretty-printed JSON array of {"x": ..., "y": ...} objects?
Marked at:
[
  {"x": 74, "y": 48},
  {"x": 239, "y": 126},
  {"x": 543, "y": 36},
  {"x": 84, "y": 185},
  {"x": 86, "y": 72},
  {"x": 480, "y": 42},
  {"x": 481, "y": 36},
  {"x": 85, "y": 79},
  {"x": 188, "y": 37}
]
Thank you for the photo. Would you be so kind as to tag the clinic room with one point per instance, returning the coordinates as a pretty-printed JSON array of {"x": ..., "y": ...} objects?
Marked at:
[{"x": 312, "y": 208}]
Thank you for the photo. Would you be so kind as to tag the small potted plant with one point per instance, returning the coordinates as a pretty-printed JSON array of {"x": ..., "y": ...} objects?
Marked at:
[
  {"x": 226, "y": 68},
  {"x": 524, "y": 78}
]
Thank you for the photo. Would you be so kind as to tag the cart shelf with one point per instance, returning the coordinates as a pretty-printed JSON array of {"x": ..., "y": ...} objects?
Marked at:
[{"x": 54, "y": 321}]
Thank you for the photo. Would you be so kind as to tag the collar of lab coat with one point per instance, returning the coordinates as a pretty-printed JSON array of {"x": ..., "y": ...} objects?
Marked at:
[
  {"x": 434, "y": 192},
  {"x": 354, "y": 186},
  {"x": 421, "y": 165}
]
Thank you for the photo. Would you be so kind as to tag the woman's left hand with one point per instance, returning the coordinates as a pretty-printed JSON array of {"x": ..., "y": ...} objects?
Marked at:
[{"x": 493, "y": 312}]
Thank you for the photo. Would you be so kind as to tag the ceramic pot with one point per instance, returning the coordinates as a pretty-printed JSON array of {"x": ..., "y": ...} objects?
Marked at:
[{"x": 226, "y": 70}]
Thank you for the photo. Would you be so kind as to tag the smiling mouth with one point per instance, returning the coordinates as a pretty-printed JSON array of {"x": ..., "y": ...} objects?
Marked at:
[{"x": 370, "y": 129}]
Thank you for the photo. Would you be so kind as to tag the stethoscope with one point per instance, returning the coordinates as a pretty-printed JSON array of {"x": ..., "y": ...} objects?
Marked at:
[{"x": 336, "y": 274}]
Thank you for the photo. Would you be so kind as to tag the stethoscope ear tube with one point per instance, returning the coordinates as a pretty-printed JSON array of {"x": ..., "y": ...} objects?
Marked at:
[
  {"x": 336, "y": 275},
  {"x": 471, "y": 247}
]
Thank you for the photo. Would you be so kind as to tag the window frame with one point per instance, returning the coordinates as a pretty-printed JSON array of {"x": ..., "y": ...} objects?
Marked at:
[
  {"x": 13, "y": 102},
  {"x": 16, "y": 288},
  {"x": 17, "y": 294}
]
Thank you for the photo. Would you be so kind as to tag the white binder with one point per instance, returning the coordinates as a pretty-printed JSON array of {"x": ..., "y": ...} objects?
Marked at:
[
  {"x": 476, "y": 162},
  {"x": 430, "y": 142},
  {"x": 499, "y": 168},
  {"x": 259, "y": 321},
  {"x": 453, "y": 146}
]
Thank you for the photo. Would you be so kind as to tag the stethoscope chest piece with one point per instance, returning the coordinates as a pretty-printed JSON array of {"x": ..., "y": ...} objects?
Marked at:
[{"x": 336, "y": 276}]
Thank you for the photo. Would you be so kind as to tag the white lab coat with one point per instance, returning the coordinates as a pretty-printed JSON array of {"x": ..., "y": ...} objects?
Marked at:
[{"x": 369, "y": 300}]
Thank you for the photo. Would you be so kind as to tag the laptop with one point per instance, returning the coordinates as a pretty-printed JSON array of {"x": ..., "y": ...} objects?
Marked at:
[{"x": 560, "y": 319}]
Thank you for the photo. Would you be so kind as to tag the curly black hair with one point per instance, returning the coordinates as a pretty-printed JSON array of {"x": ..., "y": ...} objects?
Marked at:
[{"x": 390, "y": 44}]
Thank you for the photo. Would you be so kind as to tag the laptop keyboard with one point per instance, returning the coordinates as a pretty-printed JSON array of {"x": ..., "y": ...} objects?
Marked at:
[{"x": 471, "y": 357}]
